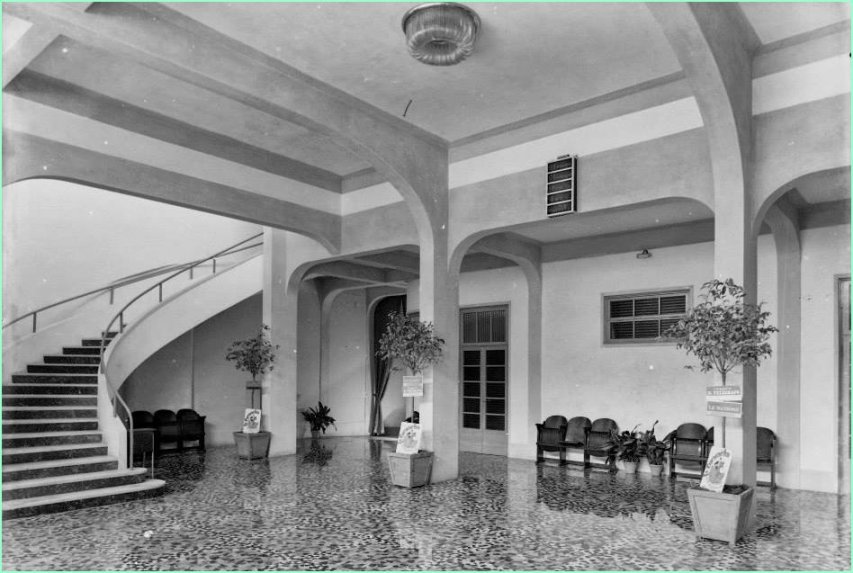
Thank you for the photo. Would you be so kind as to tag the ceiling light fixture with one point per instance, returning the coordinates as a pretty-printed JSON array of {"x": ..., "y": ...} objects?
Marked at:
[
  {"x": 644, "y": 254},
  {"x": 441, "y": 34}
]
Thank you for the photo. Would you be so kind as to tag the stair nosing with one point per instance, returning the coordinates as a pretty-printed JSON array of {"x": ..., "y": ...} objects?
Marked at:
[
  {"x": 46, "y": 408},
  {"x": 48, "y": 420},
  {"x": 53, "y": 434}
]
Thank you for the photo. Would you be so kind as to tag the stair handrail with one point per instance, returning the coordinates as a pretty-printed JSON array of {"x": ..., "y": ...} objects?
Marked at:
[
  {"x": 112, "y": 391},
  {"x": 138, "y": 277}
]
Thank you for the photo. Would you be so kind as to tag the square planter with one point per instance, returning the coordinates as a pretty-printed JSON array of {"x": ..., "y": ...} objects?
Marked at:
[
  {"x": 722, "y": 516},
  {"x": 252, "y": 446},
  {"x": 410, "y": 470}
]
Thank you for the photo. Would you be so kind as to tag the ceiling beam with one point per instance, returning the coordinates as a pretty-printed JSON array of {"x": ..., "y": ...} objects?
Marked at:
[
  {"x": 349, "y": 271},
  {"x": 400, "y": 261},
  {"x": 28, "y": 157},
  {"x": 65, "y": 96},
  {"x": 21, "y": 53}
]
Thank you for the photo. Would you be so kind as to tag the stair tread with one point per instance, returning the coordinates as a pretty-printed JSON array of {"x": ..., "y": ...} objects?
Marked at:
[
  {"x": 49, "y": 374},
  {"x": 70, "y": 478},
  {"x": 49, "y": 420},
  {"x": 54, "y": 448},
  {"x": 60, "y": 434},
  {"x": 19, "y": 384},
  {"x": 10, "y": 468},
  {"x": 146, "y": 485}
]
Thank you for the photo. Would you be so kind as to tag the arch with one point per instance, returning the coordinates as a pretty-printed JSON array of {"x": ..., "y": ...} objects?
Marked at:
[{"x": 771, "y": 197}]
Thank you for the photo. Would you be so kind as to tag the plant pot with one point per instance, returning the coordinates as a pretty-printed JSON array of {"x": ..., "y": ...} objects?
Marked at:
[
  {"x": 721, "y": 516},
  {"x": 252, "y": 446},
  {"x": 656, "y": 469},
  {"x": 410, "y": 470},
  {"x": 315, "y": 434},
  {"x": 628, "y": 467}
]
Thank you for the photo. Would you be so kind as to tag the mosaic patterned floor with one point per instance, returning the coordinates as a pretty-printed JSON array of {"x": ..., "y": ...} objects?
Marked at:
[{"x": 332, "y": 508}]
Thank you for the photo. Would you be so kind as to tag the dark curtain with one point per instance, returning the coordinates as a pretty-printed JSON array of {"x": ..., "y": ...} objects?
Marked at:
[{"x": 381, "y": 370}]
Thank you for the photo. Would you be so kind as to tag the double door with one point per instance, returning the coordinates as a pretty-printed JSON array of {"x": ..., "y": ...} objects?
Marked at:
[{"x": 484, "y": 381}]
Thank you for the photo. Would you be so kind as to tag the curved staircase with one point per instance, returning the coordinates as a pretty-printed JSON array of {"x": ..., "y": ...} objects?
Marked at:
[{"x": 54, "y": 457}]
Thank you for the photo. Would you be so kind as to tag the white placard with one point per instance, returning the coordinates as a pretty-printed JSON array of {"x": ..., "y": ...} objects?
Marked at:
[
  {"x": 251, "y": 421},
  {"x": 716, "y": 469},
  {"x": 413, "y": 386},
  {"x": 409, "y": 440},
  {"x": 723, "y": 393}
]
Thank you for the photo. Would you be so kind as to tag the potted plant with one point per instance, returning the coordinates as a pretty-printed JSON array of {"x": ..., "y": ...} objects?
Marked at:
[
  {"x": 410, "y": 343},
  {"x": 625, "y": 448},
  {"x": 653, "y": 449},
  {"x": 256, "y": 356},
  {"x": 319, "y": 419},
  {"x": 723, "y": 332}
]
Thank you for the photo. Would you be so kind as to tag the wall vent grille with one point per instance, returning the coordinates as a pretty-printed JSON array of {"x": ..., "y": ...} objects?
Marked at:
[{"x": 561, "y": 188}]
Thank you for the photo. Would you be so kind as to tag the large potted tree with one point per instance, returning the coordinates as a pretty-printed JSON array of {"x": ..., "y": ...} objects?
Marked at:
[
  {"x": 411, "y": 344},
  {"x": 256, "y": 356},
  {"x": 723, "y": 332}
]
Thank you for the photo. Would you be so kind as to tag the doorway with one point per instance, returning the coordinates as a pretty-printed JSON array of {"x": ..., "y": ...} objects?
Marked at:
[
  {"x": 843, "y": 295},
  {"x": 484, "y": 380}
]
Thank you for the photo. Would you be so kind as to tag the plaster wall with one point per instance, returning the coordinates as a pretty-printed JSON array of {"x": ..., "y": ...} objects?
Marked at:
[
  {"x": 347, "y": 390},
  {"x": 191, "y": 372},
  {"x": 825, "y": 256},
  {"x": 61, "y": 239},
  {"x": 501, "y": 286}
]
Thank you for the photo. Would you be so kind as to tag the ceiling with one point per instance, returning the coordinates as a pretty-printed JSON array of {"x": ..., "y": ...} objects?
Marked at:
[{"x": 531, "y": 60}]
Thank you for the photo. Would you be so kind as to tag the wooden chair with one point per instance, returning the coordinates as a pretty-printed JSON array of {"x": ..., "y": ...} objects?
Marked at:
[
  {"x": 549, "y": 437},
  {"x": 577, "y": 435},
  {"x": 689, "y": 445},
  {"x": 168, "y": 430},
  {"x": 191, "y": 426},
  {"x": 766, "y": 453},
  {"x": 598, "y": 443}
]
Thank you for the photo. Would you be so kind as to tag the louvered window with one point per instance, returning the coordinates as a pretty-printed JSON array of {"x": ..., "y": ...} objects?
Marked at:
[{"x": 643, "y": 317}]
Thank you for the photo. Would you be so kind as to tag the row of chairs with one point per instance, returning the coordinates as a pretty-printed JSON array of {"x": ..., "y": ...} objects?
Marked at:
[
  {"x": 171, "y": 428},
  {"x": 690, "y": 444}
]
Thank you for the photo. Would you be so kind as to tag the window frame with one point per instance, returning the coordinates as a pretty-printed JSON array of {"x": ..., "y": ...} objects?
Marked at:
[{"x": 606, "y": 298}]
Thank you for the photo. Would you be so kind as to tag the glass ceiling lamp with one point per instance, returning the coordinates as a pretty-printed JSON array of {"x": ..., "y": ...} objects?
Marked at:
[{"x": 441, "y": 34}]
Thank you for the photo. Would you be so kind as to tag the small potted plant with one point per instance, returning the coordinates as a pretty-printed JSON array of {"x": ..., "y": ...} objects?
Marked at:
[
  {"x": 256, "y": 356},
  {"x": 625, "y": 448},
  {"x": 723, "y": 332},
  {"x": 319, "y": 419},
  {"x": 653, "y": 449},
  {"x": 411, "y": 344}
]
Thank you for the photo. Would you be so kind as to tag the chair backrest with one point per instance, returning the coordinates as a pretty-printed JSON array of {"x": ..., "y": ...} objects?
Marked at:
[
  {"x": 579, "y": 427},
  {"x": 187, "y": 415},
  {"x": 604, "y": 426},
  {"x": 689, "y": 439},
  {"x": 765, "y": 439},
  {"x": 164, "y": 417},
  {"x": 555, "y": 422},
  {"x": 142, "y": 419}
]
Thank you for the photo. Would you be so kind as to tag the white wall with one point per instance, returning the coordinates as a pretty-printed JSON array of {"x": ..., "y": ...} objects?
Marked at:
[
  {"x": 191, "y": 372},
  {"x": 62, "y": 239},
  {"x": 825, "y": 255},
  {"x": 347, "y": 389}
]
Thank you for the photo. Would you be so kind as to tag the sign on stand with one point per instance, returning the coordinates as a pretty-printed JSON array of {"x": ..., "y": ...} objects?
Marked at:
[
  {"x": 724, "y": 401},
  {"x": 413, "y": 386}
]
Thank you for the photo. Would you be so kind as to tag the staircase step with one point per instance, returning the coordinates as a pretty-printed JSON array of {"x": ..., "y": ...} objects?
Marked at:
[
  {"x": 62, "y": 368},
  {"x": 42, "y": 378},
  {"x": 48, "y": 412},
  {"x": 49, "y": 400},
  {"x": 49, "y": 425},
  {"x": 54, "y": 485},
  {"x": 95, "y": 341},
  {"x": 79, "y": 499},
  {"x": 33, "y": 470},
  {"x": 46, "y": 389},
  {"x": 24, "y": 439},
  {"x": 29, "y": 454},
  {"x": 81, "y": 350},
  {"x": 71, "y": 359}
]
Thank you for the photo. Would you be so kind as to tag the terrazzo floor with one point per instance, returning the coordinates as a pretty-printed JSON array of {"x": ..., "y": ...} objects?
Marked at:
[{"x": 332, "y": 508}]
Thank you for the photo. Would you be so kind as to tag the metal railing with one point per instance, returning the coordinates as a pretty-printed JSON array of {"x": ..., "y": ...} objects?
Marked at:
[
  {"x": 139, "y": 277},
  {"x": 111, "y": 391}
]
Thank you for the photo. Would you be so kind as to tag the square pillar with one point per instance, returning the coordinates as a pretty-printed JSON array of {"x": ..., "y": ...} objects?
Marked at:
[{"x": 280, "y": 314}]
